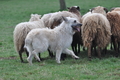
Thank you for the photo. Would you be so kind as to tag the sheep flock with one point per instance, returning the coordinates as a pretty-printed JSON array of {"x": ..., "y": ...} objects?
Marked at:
[{"x": 56, "y": 32}]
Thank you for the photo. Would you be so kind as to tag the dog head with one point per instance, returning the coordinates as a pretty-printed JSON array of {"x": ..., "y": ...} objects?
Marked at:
[{"x": 74, "y": 23}]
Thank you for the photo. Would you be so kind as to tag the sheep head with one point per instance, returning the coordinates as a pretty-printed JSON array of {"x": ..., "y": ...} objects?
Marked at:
[{"x": 99, "y": 9}]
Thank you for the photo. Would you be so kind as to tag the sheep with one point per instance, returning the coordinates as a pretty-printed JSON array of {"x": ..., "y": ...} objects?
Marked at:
[
  {"x": 77, "y": 39},
  {"x": 45, "y": 18},
  {"x": 77, "y": 42},
  {"x": 88, "y": 13},
  {"x": 56, "y": 40},
  {"x": 114, "y": 19},
  {"x": 115, "y": 9},
  {"x": 56, "y": 19},
  {"x": 96, "y": 30},
  {"x": 99, "y": 9},
  {"x": 21, "y": 30}
]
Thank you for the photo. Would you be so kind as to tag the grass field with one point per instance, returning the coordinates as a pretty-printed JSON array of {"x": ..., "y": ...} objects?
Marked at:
[{"x": 13, "y": 12}]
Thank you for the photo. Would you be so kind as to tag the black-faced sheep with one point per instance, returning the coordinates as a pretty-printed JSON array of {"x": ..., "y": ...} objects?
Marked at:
[
  {"x": 96, "y": 30},
  {"x": 21, "y": 30},
  {"x": 56, "y": 40}
]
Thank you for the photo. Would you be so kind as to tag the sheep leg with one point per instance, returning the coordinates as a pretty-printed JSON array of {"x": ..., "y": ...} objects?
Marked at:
[
  {"x": 50, "y": 53},
  {"x": 118, "y": 46},
  {"x": 20, "y": 54},
  {"x": 58, "y": 55},
  {"x": 73, "y": 47},
  {"x": 76, "y": 51},
  {"x": 83, "y": 48},
  {"x": 79, "y": 48},
  {"x": 63, "y": 56},
  {"x": 70, "y": 52},
  {"x": 89, "y": 51},
  {"x": 95, "y": 52},
  {"x": 115, "y": 43},
  {"x": 112, "y": 43},
  {"x": 104, "y": 51},
  {"x": 99, "y": 52},
  {"x": 27, "y": 53}
]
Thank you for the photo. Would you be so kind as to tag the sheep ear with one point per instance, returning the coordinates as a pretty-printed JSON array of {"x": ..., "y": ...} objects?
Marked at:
[
  {"x": 65, "y": 19},
  {"x": 78, "y": 8},
  {"x": 106, "y": 10},
  {"x": 112, "y": 9},
  {"x": 92, "y": 9},
  {"x": 39, "y": 16},
  {"x": 32, "y": 15},
  {"x": 68, "y": 7},
  {"x": 89, "y": 10}
]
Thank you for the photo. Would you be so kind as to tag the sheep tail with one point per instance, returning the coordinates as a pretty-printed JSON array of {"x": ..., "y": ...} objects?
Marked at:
[{"x": 20, "y": 34}]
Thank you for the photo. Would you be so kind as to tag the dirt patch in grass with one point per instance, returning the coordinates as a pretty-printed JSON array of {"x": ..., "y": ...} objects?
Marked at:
[{"x": 11, "y": 57}]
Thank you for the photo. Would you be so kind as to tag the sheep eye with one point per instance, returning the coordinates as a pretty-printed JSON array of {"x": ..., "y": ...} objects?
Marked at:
[{"x": 74, "y": 21}]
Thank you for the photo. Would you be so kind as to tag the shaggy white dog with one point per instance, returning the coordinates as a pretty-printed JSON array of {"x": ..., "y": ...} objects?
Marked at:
[{"x": 56, "y": 40}]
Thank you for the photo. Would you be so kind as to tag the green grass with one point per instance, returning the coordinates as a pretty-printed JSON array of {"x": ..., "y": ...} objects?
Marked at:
[{"x": 13, "y": 12}]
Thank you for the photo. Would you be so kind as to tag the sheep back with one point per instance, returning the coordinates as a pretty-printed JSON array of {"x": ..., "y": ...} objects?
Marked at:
[
  {"x": 96, "y": 28},
  {"x": 114, "y": 19},
  {"x": 20, "y": 33}
]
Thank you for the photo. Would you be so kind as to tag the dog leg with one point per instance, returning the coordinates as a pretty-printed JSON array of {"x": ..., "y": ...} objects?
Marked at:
[
  {"x": 70, "y": 52},
  {"x": 58, "y": 55},
  {"x": 36, "y": 55},
  {"x": 30, "y": 57}
]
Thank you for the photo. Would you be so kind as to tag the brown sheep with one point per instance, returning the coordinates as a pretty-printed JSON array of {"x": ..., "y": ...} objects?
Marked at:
[
  {"x": 96, "y": 31},
  {"x": 56, "y": 18},
  {"x": 115, "y": 9},
  {"x": 114, "y": 19}
]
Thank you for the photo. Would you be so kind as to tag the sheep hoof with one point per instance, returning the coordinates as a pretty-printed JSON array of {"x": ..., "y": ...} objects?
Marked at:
[
  {"x": 100, "y": 58},
  {"x": 24, "y": 62}
]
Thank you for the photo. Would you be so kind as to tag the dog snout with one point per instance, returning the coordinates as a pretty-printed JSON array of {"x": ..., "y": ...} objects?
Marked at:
[{"x": 79, "y": 24}]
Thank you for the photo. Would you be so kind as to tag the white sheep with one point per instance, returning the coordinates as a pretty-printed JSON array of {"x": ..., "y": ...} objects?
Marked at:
[{"x": 22, "y": 29}]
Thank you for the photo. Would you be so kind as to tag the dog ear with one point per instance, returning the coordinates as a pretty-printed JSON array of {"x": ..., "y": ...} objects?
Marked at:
[{"x": 65, "y": 19}]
